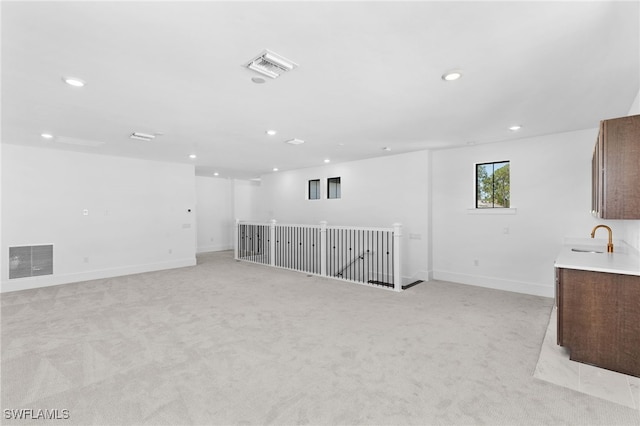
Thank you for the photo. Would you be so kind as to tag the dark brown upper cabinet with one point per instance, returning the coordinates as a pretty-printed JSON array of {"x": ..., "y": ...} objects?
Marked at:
[{"x": 616, "y": 169}]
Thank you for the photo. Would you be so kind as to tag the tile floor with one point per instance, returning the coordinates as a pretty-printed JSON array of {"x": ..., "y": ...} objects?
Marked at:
[{"x": 555, "y": 366}]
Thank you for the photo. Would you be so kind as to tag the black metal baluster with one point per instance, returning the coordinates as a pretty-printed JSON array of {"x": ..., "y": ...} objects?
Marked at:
[
  {"x": 381, "y": 256},
  {"x": 265, "y": 244},
  {"x": 365, "y": 241},
  {"x": 361, "y": 253},
  {"x": 332, "y": 247},
  {"x": 298, "y": 247},
  {"x": 357, "y": 256},
  {"x": 278, "y": 247},
  {"x": 341, "y": 250},
  {"x": 352, "y": 252},
  {"x": 387, "y": 252},
  {"x": 288, "y": 265},
  {"x": 337, "y": 252},
  {"x": 393, "y": 275},
  {"x": 289, "y": 245},
  {"x": 329, "y": 249}
]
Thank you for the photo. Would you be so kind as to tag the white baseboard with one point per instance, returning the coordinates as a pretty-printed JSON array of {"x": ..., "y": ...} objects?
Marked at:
[
  {"x": 57, "y": 279},
  {"x": 420, "y": 275},
  {"x": 215, "y": 247},
  {"x": 535, "y": 289}
]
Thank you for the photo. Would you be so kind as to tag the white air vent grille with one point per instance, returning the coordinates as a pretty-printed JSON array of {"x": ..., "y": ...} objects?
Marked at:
[
  {"x": 30, "y": 261},
  {"x": 142, "y": 136},
  {"x": 271, "y": 64}
]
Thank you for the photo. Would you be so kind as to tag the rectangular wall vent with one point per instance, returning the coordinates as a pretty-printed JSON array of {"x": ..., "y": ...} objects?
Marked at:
[{"x": 30, "y": 261}]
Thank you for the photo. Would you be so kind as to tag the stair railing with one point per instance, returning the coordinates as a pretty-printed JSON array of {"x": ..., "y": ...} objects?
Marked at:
[{"x": 324, "y": 250}]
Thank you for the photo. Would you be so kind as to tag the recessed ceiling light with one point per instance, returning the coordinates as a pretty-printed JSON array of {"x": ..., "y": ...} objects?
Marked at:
[
  {"x": 258, "y": 80},
  {"x": 72, "y": 81},
  {"x": 271, "y": 132},
  {"x": 295, "y": 141},
  {"x": 216, "y": 174},
  {"x": 451, "y": 75},
  {"x": 326, "y": 160},
  {"x": 386, "y": 148},
  {"x": 515, "y": 128},
  {"x": 193, "y": 156},
  {"x": 275, "y": 169},
  {"x": 47, "y": 136}
]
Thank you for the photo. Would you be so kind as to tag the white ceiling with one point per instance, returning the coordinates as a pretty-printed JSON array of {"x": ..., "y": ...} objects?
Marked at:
[{"x": 369, "y": 76}]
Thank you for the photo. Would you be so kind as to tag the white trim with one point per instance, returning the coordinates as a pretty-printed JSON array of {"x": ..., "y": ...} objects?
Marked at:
[
  {"x": 420, "y": 275},
  {"x": 215, "y": 247},
  {"x": 536, "y": 289},
  {"x": 497, "y": 210},
  {"x": 360, "y": 228},
  {"x": 57, "y": 279}
]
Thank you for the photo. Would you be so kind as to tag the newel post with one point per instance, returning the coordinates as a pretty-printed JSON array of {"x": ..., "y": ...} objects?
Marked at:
[
  {"x": 397, "y": 276},
  {"x": 272, "y": 243},
  {"x": 236, "y": 238},
  {"x": 323, "y": 248}
]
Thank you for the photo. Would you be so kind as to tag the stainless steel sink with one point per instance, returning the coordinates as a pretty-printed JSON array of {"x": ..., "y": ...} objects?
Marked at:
[{"x": 585, "y": 251}]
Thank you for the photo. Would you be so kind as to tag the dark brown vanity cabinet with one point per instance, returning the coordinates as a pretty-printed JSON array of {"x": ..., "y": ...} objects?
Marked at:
[
  {"x": 616, "y": 169},
  {"x": 599, "y": 318}
]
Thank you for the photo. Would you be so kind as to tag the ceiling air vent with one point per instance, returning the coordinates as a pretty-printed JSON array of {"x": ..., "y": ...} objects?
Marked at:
[
  {"x": 271, "y": 64},
  {"x": 142, "y": 136}
]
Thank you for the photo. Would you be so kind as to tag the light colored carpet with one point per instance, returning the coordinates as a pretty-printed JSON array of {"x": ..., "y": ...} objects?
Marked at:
[{"x": 226, "y": 342}]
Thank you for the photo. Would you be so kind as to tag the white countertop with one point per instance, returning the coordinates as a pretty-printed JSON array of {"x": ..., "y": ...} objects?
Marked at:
[{"x": 624, "y": 259}]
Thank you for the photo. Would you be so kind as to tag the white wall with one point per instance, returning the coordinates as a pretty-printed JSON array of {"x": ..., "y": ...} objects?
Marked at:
[
  {"x": 376, "y": 192},
  {"x": 214, "y": 213},
  {"x": 551, "y": 190},
  {"x": 138, "y": 213},
  {"x": 632, "y": 227},
  {"x": 246, "y": 195}
]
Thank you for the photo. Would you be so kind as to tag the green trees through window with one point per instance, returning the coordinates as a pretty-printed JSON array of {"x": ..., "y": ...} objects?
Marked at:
[{"x": 492, "y": 185}]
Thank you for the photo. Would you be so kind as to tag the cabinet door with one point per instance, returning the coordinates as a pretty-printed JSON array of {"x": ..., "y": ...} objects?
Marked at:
[
  {"x": 620, "y": 156},
  {"x": 629, "y": 324},
  {"x": 599, "y": 319},
  {"x": 597, "y": 177},
  {"x": 589, "y": 316}
]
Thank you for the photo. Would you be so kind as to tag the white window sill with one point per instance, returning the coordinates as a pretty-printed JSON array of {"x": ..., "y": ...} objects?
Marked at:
[{"x": 511, "y": 210}]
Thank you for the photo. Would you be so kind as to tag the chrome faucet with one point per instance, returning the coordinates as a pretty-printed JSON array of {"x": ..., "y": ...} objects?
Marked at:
[{"x": 610, "y": 244}]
